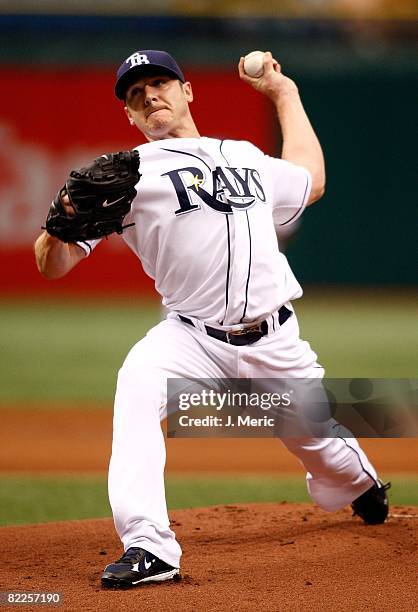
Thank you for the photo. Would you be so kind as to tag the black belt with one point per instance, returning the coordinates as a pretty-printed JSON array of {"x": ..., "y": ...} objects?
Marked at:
[{"x": 244, "y": 336}]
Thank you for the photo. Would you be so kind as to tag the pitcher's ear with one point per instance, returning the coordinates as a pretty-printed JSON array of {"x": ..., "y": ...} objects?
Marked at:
[
  {"x": 187, "y": 88},
  {"x": 128, "y": 114}
]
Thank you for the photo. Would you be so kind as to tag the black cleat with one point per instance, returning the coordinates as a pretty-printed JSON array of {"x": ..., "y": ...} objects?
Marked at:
[
  {"x": 373, "y": 505},
  {"x": 135, "y": 567}
]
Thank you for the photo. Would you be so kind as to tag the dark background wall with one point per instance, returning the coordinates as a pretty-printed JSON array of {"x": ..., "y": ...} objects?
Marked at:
[{"x": 364, "y": 229}]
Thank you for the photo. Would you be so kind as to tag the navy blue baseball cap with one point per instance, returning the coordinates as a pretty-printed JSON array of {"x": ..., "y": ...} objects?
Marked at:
[{"x": 143, "y": 61}]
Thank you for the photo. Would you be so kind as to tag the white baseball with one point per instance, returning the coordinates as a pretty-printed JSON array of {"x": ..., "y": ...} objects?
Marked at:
[{"x": 254, "y": 64}]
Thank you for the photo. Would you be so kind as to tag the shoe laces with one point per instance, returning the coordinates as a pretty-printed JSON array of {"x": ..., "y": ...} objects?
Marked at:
[
  {"x": 383, "y": 486},
  {"x": 132, "y": 555}
]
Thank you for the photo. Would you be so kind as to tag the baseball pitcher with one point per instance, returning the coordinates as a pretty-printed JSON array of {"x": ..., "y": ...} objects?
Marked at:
[{"x": 200, "y": 214}]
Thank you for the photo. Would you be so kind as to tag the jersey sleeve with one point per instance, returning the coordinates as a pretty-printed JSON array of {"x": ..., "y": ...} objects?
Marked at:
[
  {"x": 291, "y": 186},
  {"x": 88, "y": 245}
]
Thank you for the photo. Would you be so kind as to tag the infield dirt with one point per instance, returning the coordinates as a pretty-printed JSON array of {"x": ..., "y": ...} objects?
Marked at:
[
  {"x": 243, "y": 557},
  {"x": 79, "y": 440}
]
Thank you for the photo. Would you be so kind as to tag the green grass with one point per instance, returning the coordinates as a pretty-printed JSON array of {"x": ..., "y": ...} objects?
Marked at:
[
  {"x": 362, "y": 333},
  {"x": 67, "y": 352},
  {"x": 25, "y": 499},
  {"x": 70, "y": 351}
]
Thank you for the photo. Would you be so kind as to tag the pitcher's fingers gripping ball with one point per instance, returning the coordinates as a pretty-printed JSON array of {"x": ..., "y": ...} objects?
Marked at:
[
  {"x": 254, "y": 64},
  {"x": 95, "y": 199},
  {"x": 263, "y": 72}
]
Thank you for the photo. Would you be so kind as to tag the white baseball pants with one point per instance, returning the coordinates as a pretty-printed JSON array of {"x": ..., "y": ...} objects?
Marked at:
[{"x": 338, "y": 471}]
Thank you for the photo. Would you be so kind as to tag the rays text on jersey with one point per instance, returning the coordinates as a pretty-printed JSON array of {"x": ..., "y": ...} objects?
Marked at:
[{"x": 231, "y": 188}]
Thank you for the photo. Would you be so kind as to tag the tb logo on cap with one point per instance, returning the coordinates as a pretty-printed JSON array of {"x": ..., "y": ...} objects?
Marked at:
[{"x": 136, "y": 59}]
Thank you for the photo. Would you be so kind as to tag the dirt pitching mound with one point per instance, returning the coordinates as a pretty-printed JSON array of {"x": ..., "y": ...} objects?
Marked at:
[{"x": 241, "y": 557}]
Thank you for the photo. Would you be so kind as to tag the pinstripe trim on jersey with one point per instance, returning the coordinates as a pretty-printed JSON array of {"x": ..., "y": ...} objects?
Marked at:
[
  {"x": 82, "y": 244},
  {"x": 250, "y": 253},
  {"x": 274, "y": 326},
  {"x": 228, "y": 269},
  {"x": 359, "y": 458},
  {"x": 189, "y": 154},
  {"x": 220, "y": 151},
  {"x": 298, "y": 210},
  {"x": 249, "y": 270}
]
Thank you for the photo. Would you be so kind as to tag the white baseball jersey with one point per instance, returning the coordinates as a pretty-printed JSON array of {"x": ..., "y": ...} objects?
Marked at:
[{"x": 205, "y": 217}]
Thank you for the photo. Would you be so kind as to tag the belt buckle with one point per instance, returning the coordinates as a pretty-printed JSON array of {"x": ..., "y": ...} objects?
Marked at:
[{"x": 243, "y": 332}]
